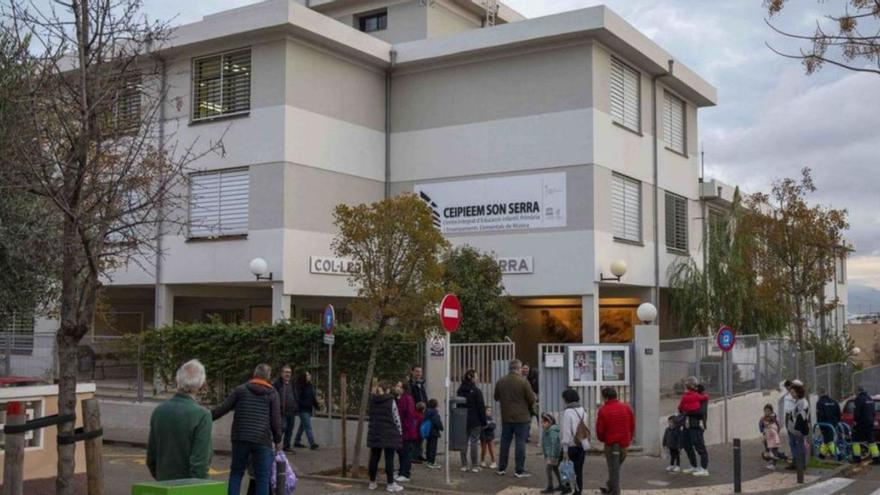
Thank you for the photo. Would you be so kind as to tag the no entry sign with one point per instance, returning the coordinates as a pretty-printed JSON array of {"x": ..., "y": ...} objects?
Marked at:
[
  {"x": 450, "y": 312},
  {"x": 726, "y": 338}
]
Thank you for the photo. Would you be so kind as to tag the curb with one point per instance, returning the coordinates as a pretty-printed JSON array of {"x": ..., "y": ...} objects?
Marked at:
[
  {"x": 340, "y": 479},
  {"x": 842, "y": 470}
]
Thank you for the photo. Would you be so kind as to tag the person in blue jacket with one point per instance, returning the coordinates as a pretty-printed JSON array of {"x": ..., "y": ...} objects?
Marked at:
[
  {"x": 828, "y": 412},
  {"x": 863, "y": 430}
]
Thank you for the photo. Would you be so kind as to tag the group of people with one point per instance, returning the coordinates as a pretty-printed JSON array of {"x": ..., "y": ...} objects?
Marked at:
[
  {"x": 180, "y": 443},
  {"x": 685, "y": 431}
]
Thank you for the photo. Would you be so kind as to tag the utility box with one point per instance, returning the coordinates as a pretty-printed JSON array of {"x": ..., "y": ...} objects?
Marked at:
[
  {"x": 180, "y": 487},
  {"x": 457, "y": 423}
]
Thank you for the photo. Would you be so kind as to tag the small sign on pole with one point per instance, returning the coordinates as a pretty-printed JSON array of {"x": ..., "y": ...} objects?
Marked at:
[
  {"x": 726, "y": 340},
  {"x": 450, "y": 319}
]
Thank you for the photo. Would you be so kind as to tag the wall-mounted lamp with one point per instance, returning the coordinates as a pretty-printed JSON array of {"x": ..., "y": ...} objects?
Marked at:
[
  {"x": 618, "y": 269},
  {"x": 647, "y": 313},
  {"x": 260, "y": 269}
]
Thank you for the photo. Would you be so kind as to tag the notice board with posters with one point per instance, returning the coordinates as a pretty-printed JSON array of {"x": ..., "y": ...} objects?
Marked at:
[
  {"x": 598, "y": 365},
  {"x": 517, "y": 202}
]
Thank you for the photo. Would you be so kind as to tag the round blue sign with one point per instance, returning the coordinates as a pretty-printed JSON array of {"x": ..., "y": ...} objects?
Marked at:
[
  {"x": 328, "y": 322},
  {"x": 726, "y": 338}
]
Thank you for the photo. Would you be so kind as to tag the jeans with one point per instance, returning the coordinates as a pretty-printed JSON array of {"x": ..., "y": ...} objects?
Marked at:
[
  {"x": 305, "y": 425},
  {"x": 431, "y": 449},
  {"x": 405, "y": 454},
  {"x": 289, "y": 420},
  {"x": 577, "y": 456},
  {"x": 511, "y": 431},
  {"x": 692, "y": 441},
  {"x": 373, "y": 467},
  {"x": 260, "y": 455},
  {"x": 473, "y": 444},
  {"x": 674, "y": 457},
  {"x": 613, "y": 478},
  {"x": 798, "y": 452},
  {"x": 791, "y": 444},
  {"x": 552, "y": 469}
]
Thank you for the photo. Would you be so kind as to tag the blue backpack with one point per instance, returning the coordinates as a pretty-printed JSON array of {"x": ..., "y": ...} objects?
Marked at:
[{"x": 425, "y": 428}]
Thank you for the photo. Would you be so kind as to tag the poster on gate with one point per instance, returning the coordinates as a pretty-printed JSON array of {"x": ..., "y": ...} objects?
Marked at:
[{"x": 598, "y": 365}]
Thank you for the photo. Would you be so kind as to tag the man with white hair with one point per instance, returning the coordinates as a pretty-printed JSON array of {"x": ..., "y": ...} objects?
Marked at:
[{"x": 180, "y": 430}]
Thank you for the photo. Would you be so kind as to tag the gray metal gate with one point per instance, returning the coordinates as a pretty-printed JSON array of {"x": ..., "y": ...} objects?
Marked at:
[
  {"x": 490, "y": 360},
  {"x": 553, "y": 381}
]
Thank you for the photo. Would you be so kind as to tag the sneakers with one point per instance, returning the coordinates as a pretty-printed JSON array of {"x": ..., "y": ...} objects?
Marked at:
[
  {"x": 701, "y": 472},
  {"x": 299, "y": 445},
  {"x": 522, "y": 475},
  {"x": 501, "y": 472},
  {"x": 669, "y": 468},
  {"x": 493, "y": 466},
  {"x": 673, "y": 469},
  {"x": 394, "y": 487},
  {"x": 689, "y": 470},
  {"x": 465, "y": 469},
  {"x": 484, "y": 464},
  {"x": 771, "y": 466},
  {"x": 430, "y": 465},
  {"x": 475, "y": 469},
  {"x": 314, "y": 447},
  {"x": 401, "y": 479},
  {"x": 373, "y": 485}
]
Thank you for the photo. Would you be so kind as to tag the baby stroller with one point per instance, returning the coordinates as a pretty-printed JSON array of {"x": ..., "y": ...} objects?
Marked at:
[
  {"x": 845, "y": 436},
  {"x": 836, "y": 447}
]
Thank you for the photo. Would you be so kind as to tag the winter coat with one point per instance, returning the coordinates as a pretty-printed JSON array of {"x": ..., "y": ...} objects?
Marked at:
[
  {"x": 672, "y": 438},
  {"x": 433, "y": 416},
  {"x": 827, "y": 411},
  {"x": 770, "y": 431},
  {"x": 287, "y": 397},
  {"x": 799, "y": 421},
  {"x": 863, "y": 414},
  {"x": 476, "y": 407},
  {"x": 418, "y": 391},
  {"x": 692, "y": 405},
  {"x": 257, "y": 416},
  {"x": 384, "y": 430},
  {"x": 615, "y": 423},
  {"x": 516, "y": 397},
  {"x": 550, "y": 443},
  {"x": 406, "y": 407},
  {"x": 180, "y": 440},
  {"x": 306, "y": 401}
]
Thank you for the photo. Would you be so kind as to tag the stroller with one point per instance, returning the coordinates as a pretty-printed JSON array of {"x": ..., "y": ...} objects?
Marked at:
[{"x": 840, "y": 446}]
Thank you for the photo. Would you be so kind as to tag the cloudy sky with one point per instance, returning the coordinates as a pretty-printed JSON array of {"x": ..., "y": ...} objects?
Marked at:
[{"x": 771, "y": 119}]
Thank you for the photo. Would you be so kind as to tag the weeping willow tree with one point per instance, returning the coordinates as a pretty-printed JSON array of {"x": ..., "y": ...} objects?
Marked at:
[{"x": 730, "y": 289}]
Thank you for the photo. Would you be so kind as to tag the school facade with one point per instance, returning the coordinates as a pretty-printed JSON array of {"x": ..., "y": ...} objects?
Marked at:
[{"x": 562, "y": 144}]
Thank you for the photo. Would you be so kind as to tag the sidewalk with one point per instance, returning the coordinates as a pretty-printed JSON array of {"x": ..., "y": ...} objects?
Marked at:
[{"x": 640, "y": 474}]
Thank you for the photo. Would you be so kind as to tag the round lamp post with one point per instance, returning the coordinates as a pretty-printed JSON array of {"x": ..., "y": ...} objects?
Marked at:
[
  {"x": 647, "y": 313},
  {"x": 618, "y": 269},
  {"x": 260, "y": 269}
]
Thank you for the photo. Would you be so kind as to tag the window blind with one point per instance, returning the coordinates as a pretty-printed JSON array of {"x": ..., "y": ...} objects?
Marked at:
[
  {"x": 625, "y": 95},
  {"x": 222, "y": 84},
  {"x": 676, "y": 222},
  {"x": 219, "y": 203},
  {"x": 626, "y": 208},
  {"x": 674, "y": 123}
]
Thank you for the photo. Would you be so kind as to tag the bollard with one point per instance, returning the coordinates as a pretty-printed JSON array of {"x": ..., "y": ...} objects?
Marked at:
[
  {"x": 343, "y": 415},
  {"x": 13, "y": 462},
  {"x": 737, "y": 466},
  {"x": 280, "y": 477},
  {"x": 93, "y": 447},
  {"x": 615, "y": 470}
]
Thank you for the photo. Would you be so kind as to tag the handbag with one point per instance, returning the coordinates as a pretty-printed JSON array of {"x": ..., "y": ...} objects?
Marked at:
[
  {"x": 566, "y": 473},
  {"x": 289, "y": 476}
]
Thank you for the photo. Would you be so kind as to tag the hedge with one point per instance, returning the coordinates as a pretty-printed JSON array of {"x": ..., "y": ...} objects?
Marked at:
[{"x": 230, "y": 353}]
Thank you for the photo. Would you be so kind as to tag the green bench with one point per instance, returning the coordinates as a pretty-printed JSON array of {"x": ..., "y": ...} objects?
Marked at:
[{"x": 180, "y": 487}]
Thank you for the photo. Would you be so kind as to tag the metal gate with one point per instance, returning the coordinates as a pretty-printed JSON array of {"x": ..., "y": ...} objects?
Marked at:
[
  {"x": 553, "y": 381},
  {"x": 489, "y": 360}
]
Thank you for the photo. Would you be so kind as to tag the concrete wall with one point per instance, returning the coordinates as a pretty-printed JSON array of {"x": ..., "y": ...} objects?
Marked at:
[
  {"x": 446, "y": 18},
  {"x": 407, "y": 19}
]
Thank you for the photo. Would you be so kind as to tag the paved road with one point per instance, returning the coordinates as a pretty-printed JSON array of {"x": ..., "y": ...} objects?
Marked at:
[{"x": 865, "y": 480}]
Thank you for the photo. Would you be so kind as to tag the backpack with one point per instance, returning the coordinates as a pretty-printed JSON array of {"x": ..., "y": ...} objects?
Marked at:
[
  {"x": 425, "y": 428},
  {"x": 582, "y": 433}
]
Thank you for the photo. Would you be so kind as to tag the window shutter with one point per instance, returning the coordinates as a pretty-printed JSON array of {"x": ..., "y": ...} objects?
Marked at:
[
  {"x": 676, "y": 222},
  {"x": 626, "y": 208},
  {"x": 219, "y": 203},
  {"x": 625, "y": 95},
  {"x": 674, "y": 123},
  {"x": 222, "y": 84}
]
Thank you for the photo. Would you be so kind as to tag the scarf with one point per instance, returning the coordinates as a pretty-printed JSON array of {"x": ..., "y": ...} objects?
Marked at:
[
  {"x": 396, "y": 415},
  {"x": 260, "y": 381},
  {"x": 573, "y": 405}
]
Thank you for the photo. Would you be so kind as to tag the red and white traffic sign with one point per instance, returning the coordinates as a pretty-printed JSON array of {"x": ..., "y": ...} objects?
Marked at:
[{"x": 450, "y": 312}]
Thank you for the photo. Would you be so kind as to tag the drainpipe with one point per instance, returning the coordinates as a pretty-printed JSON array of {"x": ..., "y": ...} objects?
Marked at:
[
  {"x": 160, "y": 211},
  {"x": 393, "y": 58},
  {"x": 656, "y": 294}
]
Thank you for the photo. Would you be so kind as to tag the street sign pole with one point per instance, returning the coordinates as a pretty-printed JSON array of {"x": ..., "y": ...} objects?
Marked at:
[
  {"x": 446, "y": 427},
  {"x": 726, "y": 339},
  {"x": 450, "y": 319},
  {"x": 328, "y": 322},
  {"x": 726, "y": 393}
]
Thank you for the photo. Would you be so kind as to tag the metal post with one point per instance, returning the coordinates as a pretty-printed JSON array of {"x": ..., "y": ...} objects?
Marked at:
[
  {"x": 329, "y": 394},
  {"x": 280, "y": 476},
  {"x": 737, "y": 466},
  {"x": 724, "y": 390},
  {"x": 615, "y": 470},
  {"x": 343, "y": 408},
  {"x": 9, "y": 330},
  {"x": 800, "y": 459},
  {"x": 140, "y": 373},
  {"x": 446, "y": 425}
]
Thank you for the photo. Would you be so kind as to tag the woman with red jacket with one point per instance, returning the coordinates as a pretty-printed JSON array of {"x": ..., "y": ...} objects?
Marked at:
[
  {"x": 406, "y": 407},
  {"x": 691, "y": 405}
]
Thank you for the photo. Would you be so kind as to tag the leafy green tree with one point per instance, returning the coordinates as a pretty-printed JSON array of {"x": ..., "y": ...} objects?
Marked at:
[
  {"x": 399, "y": 277},
  {"x": 476, "y": 279}
]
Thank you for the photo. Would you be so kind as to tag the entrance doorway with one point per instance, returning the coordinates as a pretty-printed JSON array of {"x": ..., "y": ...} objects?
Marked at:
[{"x": 546, "y": 320}]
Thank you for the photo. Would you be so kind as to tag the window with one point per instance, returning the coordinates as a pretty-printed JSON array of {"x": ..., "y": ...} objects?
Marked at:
[
  {"x": 840, "y": 269},
  {"x": 373, "y": 22},
  {"x": 676, "y": 222},
  {"x": 674, "y": 123},
  {"x": 316, "y": 315},
  {"x": 625, "y": 96},
  {"x": 841, "y": 317},
  {"x": 626, "y": 208},
  {"x": 222, "y": 85},
  {"x": 219, "y": 203}
]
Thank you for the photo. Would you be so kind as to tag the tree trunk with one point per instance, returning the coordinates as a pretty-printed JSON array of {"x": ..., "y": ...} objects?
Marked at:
[
  {"x": 365, "y": 400},
  {"x": 64, "y": 482}
]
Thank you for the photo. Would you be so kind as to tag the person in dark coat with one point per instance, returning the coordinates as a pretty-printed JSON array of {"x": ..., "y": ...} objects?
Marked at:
[
  {"x": 476, "y": 419},
  {"x": 306, "y": 404},
  {"x": 420, "y": 394},
  {"x": 863, "y": 429},
  {"x": 287, "y": 394},
  {"x": 384, "y": 434},
  {"x": 828, "y": 412},
  {"x": 256, "y": 427},
  {"x": 406, "y": 409},
  {"x": 672, "y": 443}
]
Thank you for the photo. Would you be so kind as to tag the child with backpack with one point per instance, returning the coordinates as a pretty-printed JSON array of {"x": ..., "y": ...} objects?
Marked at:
[
  {"x": 430, "y": 430},
  {"x": 672, "y": 443},
  {"x": 552, "y": 449},
  {"x": 487, "y": 441}
]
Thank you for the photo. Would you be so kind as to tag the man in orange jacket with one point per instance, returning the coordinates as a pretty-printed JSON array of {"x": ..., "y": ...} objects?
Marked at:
[{"x": 615, "y": 425}]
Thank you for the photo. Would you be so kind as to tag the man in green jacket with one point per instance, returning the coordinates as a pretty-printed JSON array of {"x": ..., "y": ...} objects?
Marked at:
[
  {"x": 180, "y": 430},
  {"x": 517, "y": 401}
]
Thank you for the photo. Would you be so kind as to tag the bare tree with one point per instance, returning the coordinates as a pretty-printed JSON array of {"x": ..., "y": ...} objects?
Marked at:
[
  {"x": 849, "y": 39},
  {"x": 91, "y": 143}
]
